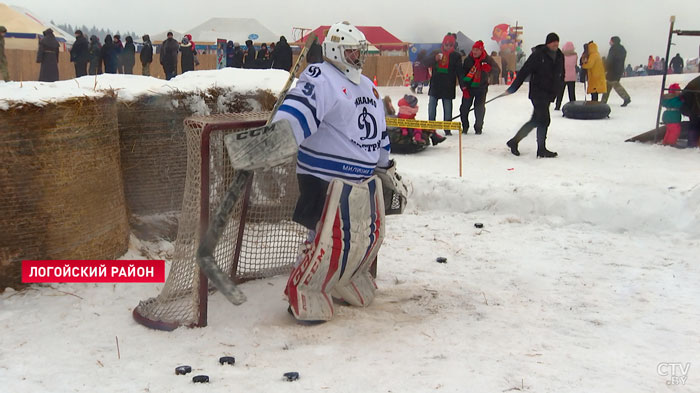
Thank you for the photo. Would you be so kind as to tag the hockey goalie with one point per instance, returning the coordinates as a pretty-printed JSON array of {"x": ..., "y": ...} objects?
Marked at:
[{"x": 338, "y": 121}]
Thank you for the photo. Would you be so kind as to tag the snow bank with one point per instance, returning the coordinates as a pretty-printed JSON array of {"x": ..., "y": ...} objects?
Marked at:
[{"x": 131, "y": 87}]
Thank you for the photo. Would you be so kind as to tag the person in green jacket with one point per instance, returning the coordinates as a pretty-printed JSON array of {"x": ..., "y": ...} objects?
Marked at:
[
  {"x": 672, "y": 115},
  {"x": 3, "y": 60}
]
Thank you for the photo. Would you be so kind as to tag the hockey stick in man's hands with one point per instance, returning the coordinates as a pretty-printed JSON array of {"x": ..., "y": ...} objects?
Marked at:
[
  {"x": 257, "y": 148},
  {"x": 505, "y": 93}
]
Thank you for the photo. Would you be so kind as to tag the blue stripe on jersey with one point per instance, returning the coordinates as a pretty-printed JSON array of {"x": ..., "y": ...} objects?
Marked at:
[
  {"x": 345, "y": 220},
  {"x": 385, "y": 135},
  {"x": 300, "y": 118},
  {"x": 307, "y": 104},
  {"x": 342, "y": 167},
  {"x": 387, "y": 147},
  {"x": 367, "y": 163},
  {"x": 330, "y": 174}
]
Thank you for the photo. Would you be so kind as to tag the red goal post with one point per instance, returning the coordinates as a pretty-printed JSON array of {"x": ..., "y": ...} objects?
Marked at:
[{"x": 260, "y": 239}]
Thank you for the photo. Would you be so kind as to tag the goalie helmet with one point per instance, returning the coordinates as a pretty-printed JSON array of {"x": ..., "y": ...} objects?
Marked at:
[{"x": 346, "y": 47}]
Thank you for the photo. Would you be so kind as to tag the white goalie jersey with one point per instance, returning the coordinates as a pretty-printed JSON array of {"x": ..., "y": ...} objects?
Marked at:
[{"x": 340, "y": 127}]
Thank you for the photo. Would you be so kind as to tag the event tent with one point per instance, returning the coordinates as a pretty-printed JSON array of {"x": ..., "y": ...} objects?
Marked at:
[
  {"x": 160, "y": 37},
  {"x": 232, "y": 29},
  {"x": 377, "y": 36},
  {"x": 24, "y": 29}
]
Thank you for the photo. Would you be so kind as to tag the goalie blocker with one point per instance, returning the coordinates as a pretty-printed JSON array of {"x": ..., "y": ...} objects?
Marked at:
[{"x": 336, "y": 262}]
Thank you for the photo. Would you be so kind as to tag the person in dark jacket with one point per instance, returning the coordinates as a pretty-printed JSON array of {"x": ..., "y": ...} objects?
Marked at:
[
  {"x": 129, "y": 56},
  {"x": 95, "y": 53},
  {"x": 118, "y": 49},
  {"x": 446, "y": 66},
  {"x": 238, "y": 55},
  {"x": 229, "y": 54},
  {"x": 615, "y": 68},
  {"x": 262, "y": 59},
  {"x": 315, "y": 53},
  {"x": 186, "y": 56},
  {"x": 146, "y": 55},
  {"x": 4, "y": 73},
  {"x": 249, "y": 55},
  {"x": 48, "y": 57},
  {"x": 109, "y": 55},
  {"x": 545, "y": 67},
  {"x": 80, "y": 54},
  {"x": 691, "y": 108},
  {"x": 677, "y": 64},
  {"x": 282, "y": 56},
  {"x": 478, "y": 67},
  {"x": 168, "y": 56}
]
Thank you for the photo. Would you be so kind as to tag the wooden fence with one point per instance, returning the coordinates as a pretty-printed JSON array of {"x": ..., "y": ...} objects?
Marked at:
[{"x": 23, "y": 66}]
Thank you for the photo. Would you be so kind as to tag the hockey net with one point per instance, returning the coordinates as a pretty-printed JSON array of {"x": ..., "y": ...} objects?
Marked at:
[{"x": 260, "y": 239}]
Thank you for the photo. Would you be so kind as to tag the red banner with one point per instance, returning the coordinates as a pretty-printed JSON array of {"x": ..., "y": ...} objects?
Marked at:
[{"x": 93, "y": 271}]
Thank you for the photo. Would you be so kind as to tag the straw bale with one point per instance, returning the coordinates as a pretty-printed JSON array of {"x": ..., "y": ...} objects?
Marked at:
[
  {"x": 61, "y": 190},
  {"x": 154, "y": 151}
]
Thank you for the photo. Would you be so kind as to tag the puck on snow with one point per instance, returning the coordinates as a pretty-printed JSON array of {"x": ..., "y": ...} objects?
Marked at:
[
  {"x": 478, "y": 225},
  {"x": 441, "y": 260},
  {"x": 291, "y": 376},
  {"x": 182, "y": 370},
  {"x": 227, "y": 360},
  {"x": 200, "y": 379}
]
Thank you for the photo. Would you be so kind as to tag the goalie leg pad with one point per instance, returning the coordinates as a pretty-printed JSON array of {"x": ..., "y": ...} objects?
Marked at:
[
  {"x": 346, "y": 242},
  {"x": 356, "y": 285}
]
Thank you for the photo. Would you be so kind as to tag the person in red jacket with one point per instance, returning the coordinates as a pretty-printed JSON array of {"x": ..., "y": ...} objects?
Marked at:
[
  {"x": 421, "y": 74},
  {"x": 408, "y": 108}
]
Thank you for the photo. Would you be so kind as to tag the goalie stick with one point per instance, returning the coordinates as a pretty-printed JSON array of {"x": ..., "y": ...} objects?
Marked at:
[
  {"x": 247, "y": 157},
  {"x": 505, "y": 93}
]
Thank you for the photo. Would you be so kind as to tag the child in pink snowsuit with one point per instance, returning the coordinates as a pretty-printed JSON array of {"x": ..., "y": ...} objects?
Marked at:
[
  {"x": 408, "y": 108},
  {"x": 672, "y": 115}
]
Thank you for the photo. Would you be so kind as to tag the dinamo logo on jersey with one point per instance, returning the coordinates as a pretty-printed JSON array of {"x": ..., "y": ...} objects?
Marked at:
[
  {"x": 314, "y": 71},
  {"x": 368, "y": 123}
]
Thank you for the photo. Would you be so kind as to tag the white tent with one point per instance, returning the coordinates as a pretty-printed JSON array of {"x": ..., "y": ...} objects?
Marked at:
[
  {"x": 163, "y": 35},
  {"x": 24, "y": 29},
  {"x": 233, "y": 29}
]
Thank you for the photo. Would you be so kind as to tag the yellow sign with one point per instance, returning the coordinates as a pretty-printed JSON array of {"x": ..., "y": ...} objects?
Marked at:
[{"x": 423, "y": 124}]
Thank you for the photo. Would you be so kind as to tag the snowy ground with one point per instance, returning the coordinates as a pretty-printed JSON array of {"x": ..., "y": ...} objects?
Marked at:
[{"x": 583, "y": 279}]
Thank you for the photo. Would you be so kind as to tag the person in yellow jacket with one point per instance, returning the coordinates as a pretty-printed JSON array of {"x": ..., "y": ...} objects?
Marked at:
[{"x": 593, "y": 64}]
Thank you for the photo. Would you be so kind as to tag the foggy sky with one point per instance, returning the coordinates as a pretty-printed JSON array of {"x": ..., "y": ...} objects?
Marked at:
[{"x": 642, "y": 25}]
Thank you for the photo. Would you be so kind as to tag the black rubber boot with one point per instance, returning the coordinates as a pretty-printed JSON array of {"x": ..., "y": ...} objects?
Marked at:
[
  {"x": 542, "y": 151},
  {"x": 513, "y": 147},
  {"x": 436, "y": 138}
]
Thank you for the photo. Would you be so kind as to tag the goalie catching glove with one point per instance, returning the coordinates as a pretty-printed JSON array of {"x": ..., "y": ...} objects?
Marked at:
[{"x": 395, "y": 190}]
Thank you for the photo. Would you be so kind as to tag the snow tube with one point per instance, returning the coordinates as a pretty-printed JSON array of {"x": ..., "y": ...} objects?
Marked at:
[
  {"x": 404, "y": 144},
  {"x": 585, "y": 110}
]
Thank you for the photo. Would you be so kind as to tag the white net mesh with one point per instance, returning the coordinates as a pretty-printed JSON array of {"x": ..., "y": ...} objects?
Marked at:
[{"x": 260, "y": 239}]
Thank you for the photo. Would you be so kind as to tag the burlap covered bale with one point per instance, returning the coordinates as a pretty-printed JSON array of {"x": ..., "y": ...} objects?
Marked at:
[
  {"x": 154, "y": 152},
  {"x": 61, "y": 190}
]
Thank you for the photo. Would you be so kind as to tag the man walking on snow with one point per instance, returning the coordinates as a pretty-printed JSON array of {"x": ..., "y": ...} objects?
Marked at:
[
  {"x": 545, "y": 67},
  {"x": 614, "y": 69}
]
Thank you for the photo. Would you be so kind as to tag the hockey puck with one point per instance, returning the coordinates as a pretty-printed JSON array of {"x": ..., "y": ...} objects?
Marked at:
[
  {"x": 441, "y": 260},
  {"x": 182, "y": 370},
  {"x": 291, "y": 376},
  {"x": 227, "y": 360},
  {"x": 200, "y": 379},
  {"x": 478, "y": 225}
]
